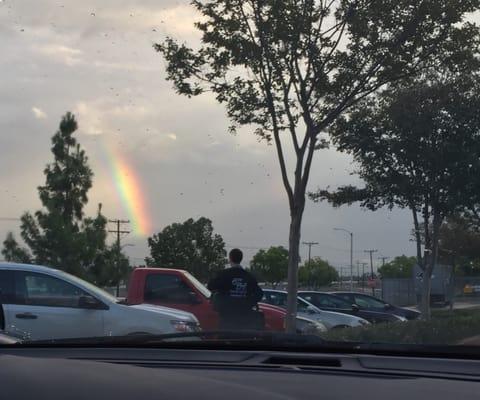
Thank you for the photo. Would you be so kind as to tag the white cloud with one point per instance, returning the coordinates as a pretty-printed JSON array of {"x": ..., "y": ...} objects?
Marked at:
[
  {"x": 64, "y": 54},
  {"x": 90, "y": 118},
  {"x": 39, "y": 114}
]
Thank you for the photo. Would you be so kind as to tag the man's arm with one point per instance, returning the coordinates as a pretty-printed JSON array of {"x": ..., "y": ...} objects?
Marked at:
[
  {"x": 256, "y": 291},
  {"x": 215, "y": 283}
]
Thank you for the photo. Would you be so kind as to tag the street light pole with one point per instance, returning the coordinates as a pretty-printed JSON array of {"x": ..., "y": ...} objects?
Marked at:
[{"x": 351, "y": 254}]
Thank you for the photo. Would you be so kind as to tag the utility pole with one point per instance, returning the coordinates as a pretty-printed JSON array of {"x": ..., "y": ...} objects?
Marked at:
[
  {"x": 383, "y": 260},
  {"x": 358, "y": 272},
  {"x": 364, "y": 264},
  {"x": 118, "y": 231},
  {"x": 351, "y": 254},
  {"x": 371, "y": 267},
  {"x": 310, "y": 244}
]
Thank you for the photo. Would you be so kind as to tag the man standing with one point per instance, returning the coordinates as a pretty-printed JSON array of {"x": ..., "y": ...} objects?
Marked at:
[{"x": 235, "y": 294}]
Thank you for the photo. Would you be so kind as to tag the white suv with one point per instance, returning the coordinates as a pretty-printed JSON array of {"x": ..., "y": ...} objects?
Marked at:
[{"x": 43, "y": 303}]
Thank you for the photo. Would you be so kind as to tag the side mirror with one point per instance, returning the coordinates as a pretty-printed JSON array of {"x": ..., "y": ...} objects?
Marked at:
[
  {"x": 387, "y": 306},
  {"x": 193, "y": 298},
  {"x": 355, "y": 308},
  {"x": 89, "y": 302}
]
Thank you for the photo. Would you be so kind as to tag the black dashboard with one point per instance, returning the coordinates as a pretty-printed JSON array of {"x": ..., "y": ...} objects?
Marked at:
[{"x": 153, "y": 373}]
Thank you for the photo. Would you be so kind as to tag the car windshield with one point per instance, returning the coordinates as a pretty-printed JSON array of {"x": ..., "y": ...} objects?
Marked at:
[
  {"x": 94, "y": 290},
  {"x": 198, "y": 285},
  {"x": 326, "y": 300},
  {"x": 294, "y": 167}
]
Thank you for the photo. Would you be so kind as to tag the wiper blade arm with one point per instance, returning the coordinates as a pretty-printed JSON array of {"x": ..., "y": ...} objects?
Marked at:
[{"x": 200, "y": 338}]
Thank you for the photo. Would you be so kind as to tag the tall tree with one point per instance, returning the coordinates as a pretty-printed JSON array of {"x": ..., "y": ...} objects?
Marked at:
[
  {"x": 191, "y": 245},
  {"x": 418, "y": 147},
  {"x": 13, "y": 252},
  {"x": 59, "y": 235},
  {"x": 317, "y": 273},
  {"x": 399, "y": 267},
  {"x": 108, "y": 268},
  {"x": 270, "y": 265},
  {"x": 290, "y": 68}
]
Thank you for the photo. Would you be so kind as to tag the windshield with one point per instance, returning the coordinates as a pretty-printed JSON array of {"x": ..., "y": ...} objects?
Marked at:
[
  {"x": 296, "y": 158},
  {"x": 94, "y": 290},
  {"x": 198, "y": 285}
]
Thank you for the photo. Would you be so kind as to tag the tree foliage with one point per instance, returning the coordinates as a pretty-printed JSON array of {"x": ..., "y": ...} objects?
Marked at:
[
  {"x": 13, "y": 252},
  {"x": 418, "y": 147},
  {"x": 270, "y": 265},
  {"x": 59, "y": 235},
  {"x": 317, "y": 273},
  {"x": 459, "y": 244},
  {"x": 191, "y": 245},
  {"x": 110, "y": 267},
  {"x": 399, "y": 267},
  {"x": 290, "y": 68}
]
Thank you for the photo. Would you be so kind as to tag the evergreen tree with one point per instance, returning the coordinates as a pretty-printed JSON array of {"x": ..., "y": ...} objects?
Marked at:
[
  {"x": 13, "y": 252},
  {"x": 59, "y": 235}
]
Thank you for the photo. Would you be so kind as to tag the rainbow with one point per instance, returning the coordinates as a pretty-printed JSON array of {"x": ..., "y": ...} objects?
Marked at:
[{"x": 129, "y": 189}]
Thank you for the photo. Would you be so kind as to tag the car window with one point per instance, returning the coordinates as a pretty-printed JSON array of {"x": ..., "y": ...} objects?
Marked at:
[
  {"x": 6, "y": 287},
  {"x": 275, "y": 298},
  {"x": 345, "y": 296},
  {"x": 325, "y": 300},
  {"x": 279, "y": 299},
  {"x": 43, "y": 290},
  {"x": 166, "y": 288},
  {"x": 302, "y": 306},
  {"x": 368, "y": 302}
]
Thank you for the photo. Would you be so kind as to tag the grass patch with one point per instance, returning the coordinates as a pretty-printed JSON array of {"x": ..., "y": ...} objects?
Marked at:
[{"x": 445, "y": 327}]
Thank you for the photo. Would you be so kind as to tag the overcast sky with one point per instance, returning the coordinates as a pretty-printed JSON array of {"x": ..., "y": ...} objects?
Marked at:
[{"x": 95, "y": 58}]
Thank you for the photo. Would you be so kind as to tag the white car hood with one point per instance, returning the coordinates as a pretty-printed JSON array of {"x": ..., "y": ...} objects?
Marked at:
[{"x": 166, "y": 311}]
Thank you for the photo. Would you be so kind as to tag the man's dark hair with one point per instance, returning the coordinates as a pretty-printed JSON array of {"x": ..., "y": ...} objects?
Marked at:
[{"x": 236, "y": 256}]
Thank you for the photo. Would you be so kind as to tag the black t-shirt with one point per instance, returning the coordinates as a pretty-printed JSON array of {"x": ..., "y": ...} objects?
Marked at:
[{"x": 235, "y": 290}]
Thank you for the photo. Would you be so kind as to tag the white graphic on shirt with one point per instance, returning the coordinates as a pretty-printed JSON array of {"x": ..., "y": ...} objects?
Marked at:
[{"x": 239, "y": 288}]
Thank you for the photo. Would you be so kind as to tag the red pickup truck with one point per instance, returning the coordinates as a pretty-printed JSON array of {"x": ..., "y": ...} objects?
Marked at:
[{"x": 178, "y": 289}]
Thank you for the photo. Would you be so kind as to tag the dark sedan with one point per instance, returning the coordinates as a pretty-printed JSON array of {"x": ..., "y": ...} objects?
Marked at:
[
  {"x": 331, "y": 302},
  {"x": 370, "y": 303}
]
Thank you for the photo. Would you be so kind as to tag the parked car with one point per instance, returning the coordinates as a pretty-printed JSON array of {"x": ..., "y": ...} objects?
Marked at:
[
  {"x": 330, "y": 302},
  {"x": 307, "y": 326},
  {"x": 366, "y": 302},
  {"x": 50, "y": 304},
  {"x": 331, "y": 320},
  {"x": 181, "y": 290}
]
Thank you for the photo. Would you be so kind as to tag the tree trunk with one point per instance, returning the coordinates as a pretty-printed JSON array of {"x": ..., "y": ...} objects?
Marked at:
[
  {"x": 296, "y": 215},
  {"x": 430, "y": 262},
  {"x": 426, "y": 289}
]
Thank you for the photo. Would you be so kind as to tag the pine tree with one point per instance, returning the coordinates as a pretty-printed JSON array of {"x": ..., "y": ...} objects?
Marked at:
[
  {"x": 13, "y": 252},
  {"x": 60, "y": 235}
]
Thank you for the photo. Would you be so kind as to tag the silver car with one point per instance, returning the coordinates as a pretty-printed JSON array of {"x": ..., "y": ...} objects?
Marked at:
[{"x": 332, "y": 320}]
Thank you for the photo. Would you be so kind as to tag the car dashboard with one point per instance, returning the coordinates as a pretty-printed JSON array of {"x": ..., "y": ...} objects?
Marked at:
[{"x": 173, "y": 373}]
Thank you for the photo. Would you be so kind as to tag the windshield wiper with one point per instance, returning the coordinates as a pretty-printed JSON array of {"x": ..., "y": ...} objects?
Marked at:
[{"x": 195, "y": 339}]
